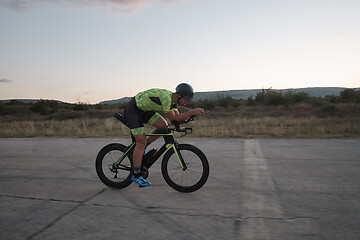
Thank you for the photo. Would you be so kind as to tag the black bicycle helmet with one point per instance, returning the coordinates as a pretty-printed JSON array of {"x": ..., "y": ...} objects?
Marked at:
[{"x": 185, "y": 90}]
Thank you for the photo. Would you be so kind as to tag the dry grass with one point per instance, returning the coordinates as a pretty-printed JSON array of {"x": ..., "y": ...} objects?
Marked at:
[
  {"x": 279, "y": 127},
  {"x": 206, "y": 126},
  {"x": 63, "y": 128}
]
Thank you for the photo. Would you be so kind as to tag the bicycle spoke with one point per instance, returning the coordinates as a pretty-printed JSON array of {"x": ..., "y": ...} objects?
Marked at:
[
  {"x": 193, "y": 172},
  {"x": 122, "y": 171}
]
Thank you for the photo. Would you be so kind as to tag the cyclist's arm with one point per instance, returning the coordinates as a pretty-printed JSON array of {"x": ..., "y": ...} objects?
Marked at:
[{"x": 176, "y": 116}]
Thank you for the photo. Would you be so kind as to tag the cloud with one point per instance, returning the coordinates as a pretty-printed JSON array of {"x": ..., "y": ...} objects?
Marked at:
[
  {"x": 345, "y": 33},
  {"x": 125, "y": 6},
  {"x": 18, "y": 5},
  {"x": 3, "y": 80}
]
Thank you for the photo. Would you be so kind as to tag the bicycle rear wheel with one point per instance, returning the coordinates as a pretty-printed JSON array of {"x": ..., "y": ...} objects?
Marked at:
[
  {"x": 196, "y": 173},
  {"x": 111, "y": 175}
]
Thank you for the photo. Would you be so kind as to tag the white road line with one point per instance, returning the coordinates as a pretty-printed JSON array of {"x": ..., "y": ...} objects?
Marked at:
[{"x": 258, "y": 206}]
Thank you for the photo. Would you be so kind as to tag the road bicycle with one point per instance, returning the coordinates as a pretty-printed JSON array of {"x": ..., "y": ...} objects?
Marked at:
[{"x": 184, "y": 167}]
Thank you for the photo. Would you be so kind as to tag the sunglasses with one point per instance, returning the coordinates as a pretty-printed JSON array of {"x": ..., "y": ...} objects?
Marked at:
[{"x": 187, "y": 98}]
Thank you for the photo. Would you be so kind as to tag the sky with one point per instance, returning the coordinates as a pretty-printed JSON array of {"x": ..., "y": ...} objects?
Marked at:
[{"x": 94, "y": 50}]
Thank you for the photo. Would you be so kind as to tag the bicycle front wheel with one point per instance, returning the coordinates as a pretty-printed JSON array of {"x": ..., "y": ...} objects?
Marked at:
[
  {"x": 111, "y": 174},
  {"x": 195, "y": 174}
]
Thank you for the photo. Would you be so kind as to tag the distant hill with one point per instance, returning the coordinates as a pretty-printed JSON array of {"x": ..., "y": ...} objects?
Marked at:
[
  {"x": 244, "y": 94},
  {"x": 27, "y": 100},
  {"x": 121, "y": 100}
]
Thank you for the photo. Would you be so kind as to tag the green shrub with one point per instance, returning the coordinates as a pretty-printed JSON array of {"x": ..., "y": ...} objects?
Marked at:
[
  {"x": 80, "y": 106},
  {"x": 350, "y": 95},
  {"x": 45, "y": 107}
]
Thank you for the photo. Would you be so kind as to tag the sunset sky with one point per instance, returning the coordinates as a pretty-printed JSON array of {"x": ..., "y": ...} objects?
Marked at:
[{"x": 95, "y": 50}]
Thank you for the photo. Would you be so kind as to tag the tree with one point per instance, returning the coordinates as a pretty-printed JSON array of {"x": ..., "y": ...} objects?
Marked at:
[
  {"x": 350, "y": 95},
  {"x": 45, "y": 107}
]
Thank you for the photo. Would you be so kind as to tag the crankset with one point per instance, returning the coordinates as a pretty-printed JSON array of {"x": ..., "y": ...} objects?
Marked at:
[{"x": 144, "y": 172}]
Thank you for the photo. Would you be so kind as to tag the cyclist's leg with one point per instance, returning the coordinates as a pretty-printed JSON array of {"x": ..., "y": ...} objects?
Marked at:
[
  {"x": 134, "y": 117},
  {"x": 137, "y": 159},
  {"x": 139, "y": 152},
  {"x": 159, "y": 122}
]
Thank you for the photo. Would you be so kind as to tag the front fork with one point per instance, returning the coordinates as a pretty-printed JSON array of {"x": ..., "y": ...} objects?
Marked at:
[{"x": 178, "y": 155}]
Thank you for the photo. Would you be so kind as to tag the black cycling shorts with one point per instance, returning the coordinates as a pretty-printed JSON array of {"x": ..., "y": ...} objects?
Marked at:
[{"x": 136, "y": 117}]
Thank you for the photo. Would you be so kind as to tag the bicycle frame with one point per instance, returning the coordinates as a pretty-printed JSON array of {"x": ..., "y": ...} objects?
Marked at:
[{"x": 169, "y": 142}]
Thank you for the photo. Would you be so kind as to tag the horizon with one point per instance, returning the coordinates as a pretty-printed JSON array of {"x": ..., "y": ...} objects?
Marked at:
[
  {"x": 124, "y": 97},
  {"x": 87, "y": 51}
]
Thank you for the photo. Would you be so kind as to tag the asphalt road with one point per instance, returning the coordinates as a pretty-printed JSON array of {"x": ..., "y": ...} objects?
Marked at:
[{"x": 257, "y": 189}]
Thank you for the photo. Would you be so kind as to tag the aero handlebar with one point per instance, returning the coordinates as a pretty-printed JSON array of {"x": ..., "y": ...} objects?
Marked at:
[{"x": 182, "y": 129}]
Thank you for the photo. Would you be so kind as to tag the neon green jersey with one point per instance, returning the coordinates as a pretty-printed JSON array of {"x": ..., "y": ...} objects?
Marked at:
[{"x": 154, "y": 100}]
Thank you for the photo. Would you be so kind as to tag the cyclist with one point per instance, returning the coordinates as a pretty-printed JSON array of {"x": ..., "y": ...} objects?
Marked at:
[{"x": 144, "y": 107}]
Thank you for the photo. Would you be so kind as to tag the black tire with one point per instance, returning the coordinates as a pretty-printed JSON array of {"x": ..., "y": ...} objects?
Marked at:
[
  {"x": 191, "y": 179},
  {"x": 105, "y": 159}
]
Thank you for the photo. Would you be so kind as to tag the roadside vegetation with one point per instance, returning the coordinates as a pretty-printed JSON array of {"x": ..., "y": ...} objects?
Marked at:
[{"x": 267, "y": 114}]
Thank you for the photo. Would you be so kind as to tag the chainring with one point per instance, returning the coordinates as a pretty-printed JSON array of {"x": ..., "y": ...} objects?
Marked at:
[{"x": 144, "y": 172}]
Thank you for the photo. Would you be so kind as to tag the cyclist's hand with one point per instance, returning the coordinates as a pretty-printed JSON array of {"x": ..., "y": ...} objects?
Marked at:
[{"x": 198, "y": 111}]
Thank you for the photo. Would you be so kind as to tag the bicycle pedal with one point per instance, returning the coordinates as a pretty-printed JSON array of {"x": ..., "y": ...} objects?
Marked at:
[{"x": 140, "y": 186}]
